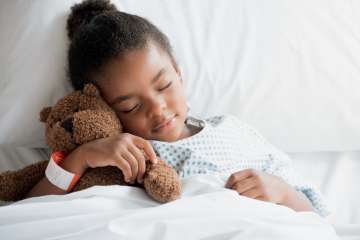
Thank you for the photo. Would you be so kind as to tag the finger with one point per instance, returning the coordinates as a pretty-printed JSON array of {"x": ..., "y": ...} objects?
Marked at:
[
  {"x": 238, "y": 176},
  {"x": 141, "y": 162},
  {"x": 252, "y": 193},
  {"x": 148, "y": 149},
  {"x": 125, "y": 168},
  {"x": 244, "y": 185},
  {"x": 133, "y": 165}
]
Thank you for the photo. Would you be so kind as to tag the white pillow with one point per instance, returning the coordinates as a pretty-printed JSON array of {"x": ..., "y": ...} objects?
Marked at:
[
  {"x": 33, "y": 67},
  {"x": 290, "y": 69}
]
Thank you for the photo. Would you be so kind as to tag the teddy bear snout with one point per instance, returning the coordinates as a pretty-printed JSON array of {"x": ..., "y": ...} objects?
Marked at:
[{"x": 68, "y": 124}]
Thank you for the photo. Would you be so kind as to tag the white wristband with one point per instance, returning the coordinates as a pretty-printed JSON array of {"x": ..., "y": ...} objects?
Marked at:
[{"x": 59, "y": 176}]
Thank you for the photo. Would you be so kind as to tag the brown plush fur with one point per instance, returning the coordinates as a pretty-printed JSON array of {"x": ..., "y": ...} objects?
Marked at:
[{"x": 78, "y": 118}]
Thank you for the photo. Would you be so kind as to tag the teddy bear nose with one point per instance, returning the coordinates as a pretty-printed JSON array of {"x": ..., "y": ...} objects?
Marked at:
[{"x": 68, "y": 125}]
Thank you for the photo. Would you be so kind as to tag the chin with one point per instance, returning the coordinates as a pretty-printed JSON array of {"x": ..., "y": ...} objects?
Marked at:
[
  {"x": 171, "y": 138},
  {"x": 168, "y": 137}
]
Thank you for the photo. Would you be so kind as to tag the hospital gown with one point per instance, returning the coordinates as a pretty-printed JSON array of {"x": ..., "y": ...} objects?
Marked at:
[{"x": 226, "y": 145}]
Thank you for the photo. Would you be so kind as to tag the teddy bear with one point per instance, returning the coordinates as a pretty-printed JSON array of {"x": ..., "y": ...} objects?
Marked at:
[{"x": 78, "y": 118}]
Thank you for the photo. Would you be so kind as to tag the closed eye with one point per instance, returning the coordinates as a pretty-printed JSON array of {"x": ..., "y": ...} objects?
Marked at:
[
  {"x": 168, "y": 85},
  {"x": 161, "y": 89},
  {"x": 128, "y": 111}
]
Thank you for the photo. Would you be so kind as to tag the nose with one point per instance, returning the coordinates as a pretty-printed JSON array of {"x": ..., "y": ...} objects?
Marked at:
[{"x": 157, "y": 106}]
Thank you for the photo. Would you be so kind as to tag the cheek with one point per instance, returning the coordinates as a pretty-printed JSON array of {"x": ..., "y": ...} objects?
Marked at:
[
  {"x": 133, "y": 125},
  {"x": 178, "y": 97}
]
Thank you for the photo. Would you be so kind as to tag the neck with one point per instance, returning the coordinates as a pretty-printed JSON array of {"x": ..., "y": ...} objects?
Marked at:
[{"x": 188, "y": 131}]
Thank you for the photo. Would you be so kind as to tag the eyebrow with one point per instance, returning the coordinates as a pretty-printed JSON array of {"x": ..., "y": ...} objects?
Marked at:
[{"x": 153, "y": 80}]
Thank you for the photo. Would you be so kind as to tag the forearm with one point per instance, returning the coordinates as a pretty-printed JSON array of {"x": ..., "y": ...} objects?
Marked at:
[
  {"x": 73, "y": 163},
  {"x": 297, "y": 201}
]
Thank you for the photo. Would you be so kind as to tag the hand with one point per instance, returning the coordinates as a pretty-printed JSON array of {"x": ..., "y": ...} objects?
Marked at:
[
  {"x": 259, "y": 185},
  {"x": 125, "y": 151}
]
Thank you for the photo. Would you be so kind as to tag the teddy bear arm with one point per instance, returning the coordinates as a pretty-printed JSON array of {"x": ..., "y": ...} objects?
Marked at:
[
  {"x": 14, "y": 185},
  {"x": 100, "y": 176},
  {"x": 162, "y": 182}
]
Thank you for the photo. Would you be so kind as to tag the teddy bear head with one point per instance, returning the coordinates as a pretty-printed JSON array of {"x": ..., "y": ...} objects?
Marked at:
[{"x": 78, "y": 118}]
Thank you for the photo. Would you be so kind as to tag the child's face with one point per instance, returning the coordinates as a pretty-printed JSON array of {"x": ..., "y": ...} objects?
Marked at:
[{"x": 145, "y": 89}]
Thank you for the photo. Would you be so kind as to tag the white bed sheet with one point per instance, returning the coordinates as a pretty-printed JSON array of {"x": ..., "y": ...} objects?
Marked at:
[
  {"x": 335, "y": 173},
  {"x": 206, "y": 210}
]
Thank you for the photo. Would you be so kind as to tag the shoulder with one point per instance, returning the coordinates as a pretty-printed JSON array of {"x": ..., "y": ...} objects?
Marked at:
[
  {"x": 215, "y": 120},
  {"x": 225, "y": 119},
  {"x": 232, "y": 121}
]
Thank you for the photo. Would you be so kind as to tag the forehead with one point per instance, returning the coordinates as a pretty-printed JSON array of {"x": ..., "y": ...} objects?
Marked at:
[{"x": 136, "y": 65}]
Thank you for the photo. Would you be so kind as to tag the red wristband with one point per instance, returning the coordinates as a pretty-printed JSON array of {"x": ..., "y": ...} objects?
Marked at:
[{"x": 59, "y": 176}]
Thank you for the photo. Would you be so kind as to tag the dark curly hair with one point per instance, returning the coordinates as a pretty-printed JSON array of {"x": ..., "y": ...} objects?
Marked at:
[{"x": 99, "y": 32}]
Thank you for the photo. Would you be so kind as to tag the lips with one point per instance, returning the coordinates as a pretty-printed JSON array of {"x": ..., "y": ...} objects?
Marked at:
[{"x": 163, "y": 123}]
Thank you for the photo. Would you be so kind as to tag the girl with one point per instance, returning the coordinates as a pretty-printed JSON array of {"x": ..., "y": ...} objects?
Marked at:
[{"x": 132, "y": 64}]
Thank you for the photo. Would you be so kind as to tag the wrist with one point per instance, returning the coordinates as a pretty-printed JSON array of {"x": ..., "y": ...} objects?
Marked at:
[
  {"x": 62, "y": 174},
  {"x": 288, "y": 194},
  {"x": 75, "y": 162},
  {"x": 296, "y": 200}
]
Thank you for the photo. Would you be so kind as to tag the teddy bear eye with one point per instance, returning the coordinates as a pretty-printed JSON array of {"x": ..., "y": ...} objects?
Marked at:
[{"x": 68, "y": 125}]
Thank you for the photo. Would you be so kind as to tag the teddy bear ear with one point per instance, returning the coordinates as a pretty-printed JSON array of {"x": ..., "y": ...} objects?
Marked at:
[
  {"x": 91, "y": 90},
  {"x": 44, "y": 114}
]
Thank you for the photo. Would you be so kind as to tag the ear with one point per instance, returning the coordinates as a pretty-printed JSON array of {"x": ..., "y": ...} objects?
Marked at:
[
  {"x": 91, "y": 90},
  {"x": 44, "y": 114}
]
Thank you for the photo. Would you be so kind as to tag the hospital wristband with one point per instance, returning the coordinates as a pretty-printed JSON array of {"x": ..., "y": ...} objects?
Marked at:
[{"x": 59, "y": 176}]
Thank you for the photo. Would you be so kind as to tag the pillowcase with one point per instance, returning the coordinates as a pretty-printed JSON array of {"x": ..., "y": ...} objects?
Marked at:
[
  {"x": 33, "y": 67},
  {"x": 290, "y": 69}
]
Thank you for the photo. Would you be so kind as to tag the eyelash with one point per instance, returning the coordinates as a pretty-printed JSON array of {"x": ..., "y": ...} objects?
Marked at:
[
  {"x": 168, "y": 85},
  {"x": 162, "y": 89},
  {"x": 128, "y": 111}
]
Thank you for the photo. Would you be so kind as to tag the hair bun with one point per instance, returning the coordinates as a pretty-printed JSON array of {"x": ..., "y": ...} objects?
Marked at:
[{"x": 82, "y": 13}]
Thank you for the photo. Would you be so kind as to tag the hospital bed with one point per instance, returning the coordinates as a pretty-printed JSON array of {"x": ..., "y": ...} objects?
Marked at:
[{"x": 289, "y": 68}]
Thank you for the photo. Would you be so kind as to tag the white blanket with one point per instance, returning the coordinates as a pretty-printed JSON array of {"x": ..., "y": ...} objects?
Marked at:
[{"x": 206, "y": 211}]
